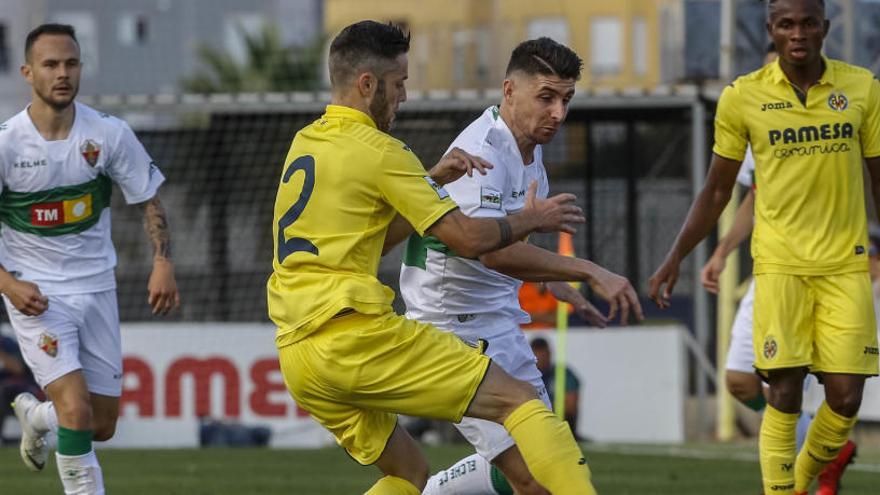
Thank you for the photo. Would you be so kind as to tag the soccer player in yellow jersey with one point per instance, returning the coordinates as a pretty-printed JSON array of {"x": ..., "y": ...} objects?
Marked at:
[
  {"x": 811, "y": 122},
  {"x": 347, "y": 191}
]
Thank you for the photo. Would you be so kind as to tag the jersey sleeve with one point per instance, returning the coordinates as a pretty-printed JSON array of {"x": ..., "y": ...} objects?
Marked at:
[
  {"x": 133, "y": 170},
  {"x": 408, "y": 188},
  {"x": 731, "y": 134},
  {"x": 481, "y": 195},
  {"x": 869, "y": 133}
]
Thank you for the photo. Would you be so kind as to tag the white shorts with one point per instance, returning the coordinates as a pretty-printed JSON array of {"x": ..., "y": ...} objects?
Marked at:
[
  {"x": 741, "y": 353},
  {"x": 509, "y": 349},
  {"x": 77, "y": 331}
]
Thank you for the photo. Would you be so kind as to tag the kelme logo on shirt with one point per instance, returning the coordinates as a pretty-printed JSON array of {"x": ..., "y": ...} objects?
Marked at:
[
  {"x": 90, "y": 151},
  {"x": 838, "y": 102},
  {"x": 61, "y": 212},
  {"x": 437, "y": 188}
]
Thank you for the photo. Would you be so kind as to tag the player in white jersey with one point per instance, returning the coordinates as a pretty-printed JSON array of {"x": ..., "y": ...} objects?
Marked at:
[
  {"x": 58, "y": 161},
  {"x": 477, "y": 298}
]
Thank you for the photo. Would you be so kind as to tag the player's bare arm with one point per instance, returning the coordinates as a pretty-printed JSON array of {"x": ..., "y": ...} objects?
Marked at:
[
  {"x": 742, "y": 227},
  {"x": 700, "y": 220},
  {"x": 531, "y": 263},
  {"x": 563, "y": 291},
  {"x": 472, "y": 237},
  {"x": 24, "y": 295},
  {"x": 450, "y": 168},
  {"x": 162, "y": 287},
  {"x": 873, "y": 165}
]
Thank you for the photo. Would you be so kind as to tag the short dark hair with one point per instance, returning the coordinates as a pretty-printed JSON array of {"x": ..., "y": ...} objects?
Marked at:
[
  {"x": 365, "y": 45},
  {"x": 547, "y": 57},
  {"x": 771, "y": 3},
  {"x": 65, "y": 29},
  {"x": 540, "y": 343}
]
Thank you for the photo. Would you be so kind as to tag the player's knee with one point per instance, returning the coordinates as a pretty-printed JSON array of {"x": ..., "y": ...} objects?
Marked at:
[
  {"x": 742, "y": 389},
  {"x": 846, "y": 404},
  {"x": 74, "y": 413},
  {"x": 104, "y": 430},
  {"x": 516, "y": 393}
]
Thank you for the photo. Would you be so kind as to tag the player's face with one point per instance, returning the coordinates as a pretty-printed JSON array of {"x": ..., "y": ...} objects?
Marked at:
[
  {"x": 390, "y": 93},
  {"x": 798, "y": 29},
  {"x": 54, "y": 69},
  {"x": 538, "y": 104}
]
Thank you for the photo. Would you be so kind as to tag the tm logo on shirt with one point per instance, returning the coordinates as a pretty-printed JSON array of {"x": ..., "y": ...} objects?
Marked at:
[{"x": 490, "y": 198}]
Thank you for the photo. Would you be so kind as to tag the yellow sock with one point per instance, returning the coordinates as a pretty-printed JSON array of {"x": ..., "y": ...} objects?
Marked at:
[
  {"x": 776, "y": 446},
  {"x": 549, "y": 449},
  {"x": 827, "y": 434},
  {"x": 392, "y": 485}
]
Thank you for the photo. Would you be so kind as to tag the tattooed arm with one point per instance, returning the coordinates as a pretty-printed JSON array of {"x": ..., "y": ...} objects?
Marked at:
[{"x": 162, "y": 287}]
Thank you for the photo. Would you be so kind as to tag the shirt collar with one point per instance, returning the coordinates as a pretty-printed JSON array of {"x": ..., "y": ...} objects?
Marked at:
[
  {"x": 828, "y": 77},
  {"x": 343, "y": 112}
]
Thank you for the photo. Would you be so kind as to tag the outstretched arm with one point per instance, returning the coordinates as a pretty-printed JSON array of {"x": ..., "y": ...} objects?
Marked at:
[
  {"x": 533, "y": 264},
  {"x": 451, "y": 167},
  {"x": 742, "y": 227},
  {"x": 162, "y": 286},
  {"x": 700, "y": 220}
]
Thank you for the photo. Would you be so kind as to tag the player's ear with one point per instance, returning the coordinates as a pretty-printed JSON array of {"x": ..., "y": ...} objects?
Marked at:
[
  {"x": 366, "y": 84},
  {"x": 507, "y": 89},
  {"x": 26, "y": 72}
]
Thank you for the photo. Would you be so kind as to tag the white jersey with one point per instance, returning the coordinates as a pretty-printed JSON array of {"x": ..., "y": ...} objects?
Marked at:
[
  {"x": 447, "y": 290},
  {"x": 746, "y": 175},
  {"x": 54, "y": 198}
]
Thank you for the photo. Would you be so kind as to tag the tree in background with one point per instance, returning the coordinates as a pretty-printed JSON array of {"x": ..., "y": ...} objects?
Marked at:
[{"x": 269, "y": 66}]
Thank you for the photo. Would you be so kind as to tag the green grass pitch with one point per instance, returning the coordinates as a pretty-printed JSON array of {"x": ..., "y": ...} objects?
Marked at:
[{"x": 617, "y": 470}]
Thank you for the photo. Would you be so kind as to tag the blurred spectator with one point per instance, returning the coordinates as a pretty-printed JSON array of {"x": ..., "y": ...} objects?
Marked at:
[
  {"x": 15, "y": 378},
  {"x": 548, "y": 374}
]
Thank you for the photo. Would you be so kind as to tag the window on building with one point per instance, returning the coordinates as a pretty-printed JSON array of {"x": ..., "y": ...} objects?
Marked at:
[
  {"x": 133, "y": 29},
  {"x": 606, "y": 46},
  {"x": 555, "y": 28},
  {"x": 4, "y": 49},
  {"x": 640, "y": 46}
]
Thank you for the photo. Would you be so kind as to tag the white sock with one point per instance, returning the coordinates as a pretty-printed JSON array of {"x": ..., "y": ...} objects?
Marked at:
[
  {"x": 803, "y": 425},
  {"x": 43, "y": 417},
  {"x": 469, "y": 476},
  {"x": 80, "y": 474}
]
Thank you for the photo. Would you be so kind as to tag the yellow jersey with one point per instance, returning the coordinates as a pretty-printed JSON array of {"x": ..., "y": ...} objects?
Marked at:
[
  {"x": 342, "y": 183},
  {"x": 808, "y": 149}
]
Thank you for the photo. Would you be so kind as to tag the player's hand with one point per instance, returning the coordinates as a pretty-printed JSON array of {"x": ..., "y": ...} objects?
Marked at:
[
  {"x": 564, "y": 292},
  {"x": 162, "y": 288},
  {"x": 710, "y": 273},
  {"x": 455, "y": 164},
  {"x": 666, "y": 275},
  {"x": 557, "y": 213},
  {"x": 619, "y": 293},
  {"x": 26, "y": 297}
]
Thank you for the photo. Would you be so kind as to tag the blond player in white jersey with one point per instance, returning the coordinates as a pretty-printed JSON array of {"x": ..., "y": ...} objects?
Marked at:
[
  {"x": 477, "y": 298},
  {"x": 58, "y": 162}
]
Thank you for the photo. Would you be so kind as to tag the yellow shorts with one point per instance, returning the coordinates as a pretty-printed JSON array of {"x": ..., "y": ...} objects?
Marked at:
[
  {"x": 823, "y": 322},
  {"x": 355, "y": 372}
]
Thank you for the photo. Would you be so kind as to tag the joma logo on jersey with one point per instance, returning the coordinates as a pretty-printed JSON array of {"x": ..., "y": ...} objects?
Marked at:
[
  {"x": 779, "y": 105},
  {"x": 810, "y": 133}
]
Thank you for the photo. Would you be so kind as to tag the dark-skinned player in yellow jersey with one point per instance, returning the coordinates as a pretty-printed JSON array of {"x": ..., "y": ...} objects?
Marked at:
[{"x": 811, "y": 122}]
